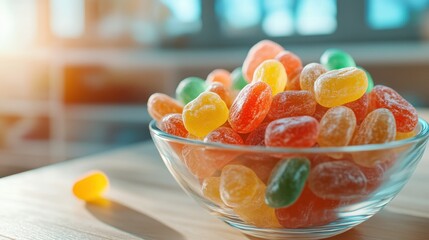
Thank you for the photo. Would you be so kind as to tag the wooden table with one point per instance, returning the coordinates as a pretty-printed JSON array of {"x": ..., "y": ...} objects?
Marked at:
[{"x": 144, "y": 202}]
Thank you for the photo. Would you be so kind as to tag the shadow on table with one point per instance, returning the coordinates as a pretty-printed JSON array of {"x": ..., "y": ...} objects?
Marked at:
[{"x": 132, "y": 221}]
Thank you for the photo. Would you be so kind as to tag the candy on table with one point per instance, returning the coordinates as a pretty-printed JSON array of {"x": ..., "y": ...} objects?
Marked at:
[
  {"x": 173, "y": 124},
  {"x": 189, "y": 88},
  {"x": 221, "y": 76},
  {"x": 292, "y": 104},
  {"x": 91, "y": 186},
  {"x": 339, "y": 180},
  {"x": 370, "y": 80},
  {"x": 336, "y": 127},
  {"x": 250, "y": 107},
  {"x": 261, "y": 164},
  {"x": 204, "y": 114},
  {"x": 210, "y": 189},
  {"x": 257, "y": 136},
  {"x": 359, "y": 107},
  {"x": 160, "y": 104},
  {"x": 336, "y": 59},
  {"x": 337, "y": 87},
  {"x": 260, "y": 52},
  {"x": 309, "y": 74},
  {"x": 405, "y": 114},
  {"x": 292, "y": 132},
  {"x": 241, "y": 189},
  {"x": 220, "y": 90},
  {"x": 287, "y": 182},
  {"x": 238, "y": 81},
  {"x": 308, "y": 211},
  {"x": 273, "y": 73}
]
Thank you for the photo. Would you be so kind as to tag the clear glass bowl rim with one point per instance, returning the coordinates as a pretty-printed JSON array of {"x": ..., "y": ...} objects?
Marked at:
[{"x": 421, "y": 135}]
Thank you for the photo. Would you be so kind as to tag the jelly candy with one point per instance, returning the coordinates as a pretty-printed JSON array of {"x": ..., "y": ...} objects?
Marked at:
[
  {"x": 160, "y": 105},
  {"x": 238, "y": 81},
  {"x": 260, "y": 52},
  {"x": 337, "y": 180},
  {"x": 320, "y": 111},
  {"x": 210, "y": 189},
  {"x": 173, "y": 124},
  {"x": 359, "y": 107},
  {"x": 257, "y": 136},
  {"x": 292, "y": 104},
  {"x": 293, "y": 66},
  {"x": 273, "y": 73},
  {"x": 261, "y": 164},
  {"x": 337, "y": 87},
  {"x": 336, "y": 59},
  {"x": 293, "y": 81},
  {"x": 336, "y": 127},
  {"x": 224, "y": 135},
  {"x": 287, "y": 182},
  {"x": 292, "y": 132},
  {"x": 242, "y": 190},
  {"x": 201, "y": 162},
  {"x": 221, "y": 76},
  {"x": 189, "y": 88},
  {"x": 204, "y": 114},
  {"x": 309, "y": 74},
  {"x": 91, "y": 186},
  {"x": 308, "y": 211},
  {"x": 220, "y": 90},
  {"x": 405, "y": 114},
  {"x": 405, "y": 135},
  {"x": 250, "y": 107}
]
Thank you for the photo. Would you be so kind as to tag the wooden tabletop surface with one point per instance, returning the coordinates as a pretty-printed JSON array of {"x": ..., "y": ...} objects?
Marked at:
[{"x": 144, "y": 202}]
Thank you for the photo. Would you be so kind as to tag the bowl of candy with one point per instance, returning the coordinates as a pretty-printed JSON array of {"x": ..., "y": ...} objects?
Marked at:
[{"x": 284, "y": 151}]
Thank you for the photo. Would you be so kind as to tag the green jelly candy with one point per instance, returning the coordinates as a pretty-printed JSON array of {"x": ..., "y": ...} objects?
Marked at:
[
  {"x": 336, "y": 59},
  {"x": 238, "y": 81},
  {"x": 287, "y": 181},
  {"x": 189, "y": 89},
  {"x": 370, "y": 80}
]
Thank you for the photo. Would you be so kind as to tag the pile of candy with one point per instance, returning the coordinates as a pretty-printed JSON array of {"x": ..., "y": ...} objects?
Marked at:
[{"x": 274, "y": 101}]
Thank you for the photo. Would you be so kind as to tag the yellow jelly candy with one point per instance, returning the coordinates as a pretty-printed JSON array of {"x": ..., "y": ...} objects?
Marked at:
[
  {"x": 404, "y": 135},
  {"x": 337, "y": 87},
  {"x": 273, "y": 73},
  {"x": 210, "y": 189},
  {"x": 91, "y": 186},
  {"x": 204, "y": 114}
]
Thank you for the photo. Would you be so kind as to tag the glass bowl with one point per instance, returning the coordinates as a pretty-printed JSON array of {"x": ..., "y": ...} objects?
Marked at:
[{"x": 345, "y": 186}]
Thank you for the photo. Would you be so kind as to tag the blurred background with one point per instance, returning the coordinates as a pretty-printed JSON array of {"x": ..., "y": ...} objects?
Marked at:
[{"x": 75, "y": 74}]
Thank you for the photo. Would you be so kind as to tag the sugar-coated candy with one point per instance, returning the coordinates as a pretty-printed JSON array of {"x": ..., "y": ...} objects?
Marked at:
[
  {"x": 160, "y": 104},
  {"x": 337, "y": 180},
  {"x": 292, "y": 104},
  {"x": 405, "y": 114},
  {"x": 238, "y": 81},
  {"x": 287, "y": 182},
  {"x": 404, "y": 135},
  {"x": 238, "y": 185},
  {"x": 189, "y": 88},
  {"x": 308, "y": 211},
  {"x": 337, "y": 87},
  {"x": 221, "y": 76},
  {"x": 290, "y": 61},
  {"x": 292, "y": 132},
  {"x": 224, "y": 135},
  {"x": 204, "y": 114},
  {"x": 201, "y": 162},
  {"x": 336, "y": 59},
  {"x": 336, "y": 127},
  {"x": 320, "y": 111},
  {"x": 220, "y": 90},
  {"x": 250, "y": 107},
  {"x": 257, "y": 136},
  {"x": 91, "y": 186},
  {"x": 359, "y": 107},
  {"x": 273, "y": 73},
  {"x": 260, "y": 163},
  {"x": 293, "y": 81},
  {"x": 378, "y": 127},
  {"x": 210, "y": 189},
  {"x": 309, "y": 74},
  {"x": 260, "y": 52},
  {"x": 173, "y": 124}
]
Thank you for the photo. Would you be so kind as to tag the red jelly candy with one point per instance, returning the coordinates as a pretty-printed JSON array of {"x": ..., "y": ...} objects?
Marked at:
[
  {"x": 293, "y": 82},
  {"x": 359, "y": 107},
  {"x": 405, "y": 114},
  {"x": 257, "y": 136},
  {"x": 173, "y": 124},
  {"x": 224, "y": 135},
  {"x": 292, "y": 132},
  {"x": 250, "y": 107},
  {"x": 292, "y": 104},
  {"x": 221, "y": 90},
  {"x": 319, "y": 112}
]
